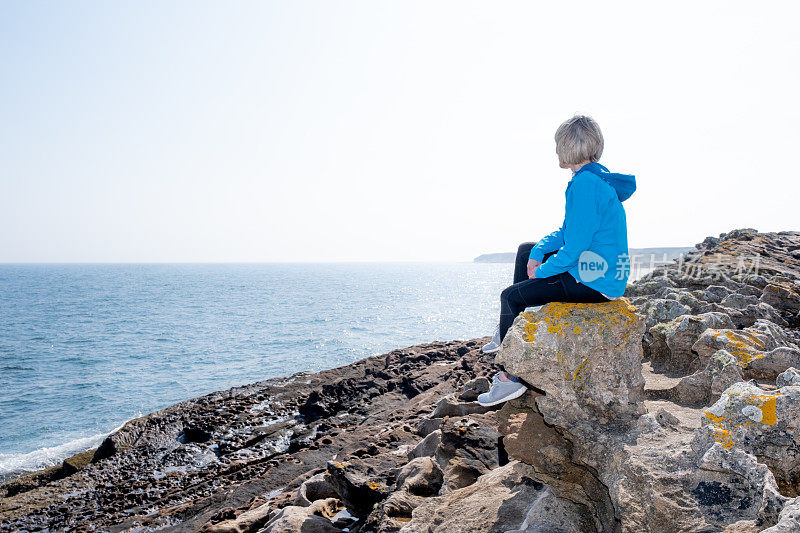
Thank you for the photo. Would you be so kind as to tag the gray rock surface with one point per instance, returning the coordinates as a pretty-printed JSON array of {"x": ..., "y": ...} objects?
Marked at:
[
  {"x": 316, "y": 519},
  {"x": 790, "y": 376},
  {"x": 671, "y": 347},
  {"x": 659, "y": 310},
  {"x": 451, "y": 406},
  {"x": 706, "y": 386},
  {"x": 474, "y": 388},
  {"x": 763, "y": 423},
  {"x": 313, "y": 489},
  {"x": 504, "y": 500},
  {"x": 789, "y": 520},
  {"x": 421, "y": 476},
  {"x": 762, "y": 350},
  {"x": 562, "y": 350}
]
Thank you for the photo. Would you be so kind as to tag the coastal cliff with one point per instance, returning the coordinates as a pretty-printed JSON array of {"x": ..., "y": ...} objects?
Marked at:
[{"x": 676, "y": 409}]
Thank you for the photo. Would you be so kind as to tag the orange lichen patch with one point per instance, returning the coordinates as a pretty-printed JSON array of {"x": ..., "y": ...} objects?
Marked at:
[
  {"x": 721, "y": 433},
  {"x": 461, "y": 429},
  {"x": 743, "y": 345},
  {"x": 723, "y": 436},
  {"x": 373, "y": 485},
  {"x": 558, "y": 315},
  {"x": 563, "y": 362},
  {"x": 721, "y": 425},
  {"x": 530, "y": 330},
  {"x": 768, "y": 405},
  {"x": 714, "y": 418}
]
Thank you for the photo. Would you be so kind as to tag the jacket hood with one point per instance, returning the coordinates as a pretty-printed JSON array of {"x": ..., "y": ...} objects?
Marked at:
[{"x": 624, "y": 184}]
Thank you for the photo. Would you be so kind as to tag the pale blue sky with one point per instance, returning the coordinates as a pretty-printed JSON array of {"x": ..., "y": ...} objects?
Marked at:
[{"x": 327, "y": 131}]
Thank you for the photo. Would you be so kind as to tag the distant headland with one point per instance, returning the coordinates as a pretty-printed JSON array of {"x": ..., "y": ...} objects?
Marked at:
[{"x": 658, "y": 254}]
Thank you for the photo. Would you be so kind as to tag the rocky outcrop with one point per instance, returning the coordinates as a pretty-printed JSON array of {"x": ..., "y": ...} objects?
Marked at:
[
  {"x": 657, "y": 474},
  {"x": 504, "y": 500},
  {"x": 763, "y": 423},
  {"x": 706, "y": 386},
  {"x": 710, "y": 452},
  {"x": 673, "y": 410},
  {"x": 231, "y": 460},
  {"x": 762, "y": 350},
  {"x": 670, "y": 349}
]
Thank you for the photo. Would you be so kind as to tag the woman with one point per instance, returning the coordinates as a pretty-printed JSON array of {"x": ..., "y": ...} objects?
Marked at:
[{"x": 584, "y": 261}]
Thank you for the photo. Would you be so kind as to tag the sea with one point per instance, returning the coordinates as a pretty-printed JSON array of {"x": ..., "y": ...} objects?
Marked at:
[{"x": 86, "y": 347}]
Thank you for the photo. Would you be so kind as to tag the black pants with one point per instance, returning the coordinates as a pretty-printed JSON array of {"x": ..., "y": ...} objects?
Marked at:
[{"x": 532, "y": 292}]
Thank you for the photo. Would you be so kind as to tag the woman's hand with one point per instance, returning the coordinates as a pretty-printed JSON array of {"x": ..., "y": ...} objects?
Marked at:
[{"x": 533, "y": 264}]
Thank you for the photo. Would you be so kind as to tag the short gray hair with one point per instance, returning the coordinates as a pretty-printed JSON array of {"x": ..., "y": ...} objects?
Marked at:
[{"x": 579, "y": 139}]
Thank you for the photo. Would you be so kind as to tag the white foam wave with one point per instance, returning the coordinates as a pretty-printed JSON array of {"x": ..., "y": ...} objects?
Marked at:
[{"x": 13, "y": 464}]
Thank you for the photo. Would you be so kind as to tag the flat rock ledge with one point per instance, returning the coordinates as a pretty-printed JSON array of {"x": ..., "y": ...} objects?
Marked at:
[{"x": 674, "y": 409}]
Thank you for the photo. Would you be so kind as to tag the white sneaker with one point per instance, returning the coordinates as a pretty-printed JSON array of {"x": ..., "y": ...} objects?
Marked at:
[
  {"x": 501, "y": 391},
  {"x": 494, "y": 344}
]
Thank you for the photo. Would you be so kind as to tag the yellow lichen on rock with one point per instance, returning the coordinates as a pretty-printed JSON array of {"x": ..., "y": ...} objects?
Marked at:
[
  {"x": 579, "y": 374},
  {"x": 742, "y": 406},
  {"x": 743, "y": 345},
  {"x": 585, "y": 357},
  {"x": 723, "y": 436},
  {"x": 767, "y": 404},
  {"x": 531, "y": 328},
  {"x": 558, "y": 315}
]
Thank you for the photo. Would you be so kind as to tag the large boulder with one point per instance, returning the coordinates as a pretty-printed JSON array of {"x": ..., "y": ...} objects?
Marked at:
[
  {"x": 670, "y": 347},
  {"x": 706, "y": 386},
  {"x": 764, "y": 423},
  {"x": 782, "y": 296},
  {"x": 507, "y": 499},
  {"x": 586, "y": 358},
  {"x": 762, "y": 350}
]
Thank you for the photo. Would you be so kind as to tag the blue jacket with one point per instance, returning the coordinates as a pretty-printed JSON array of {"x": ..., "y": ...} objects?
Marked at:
[{"x": 592, "y": 243}]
